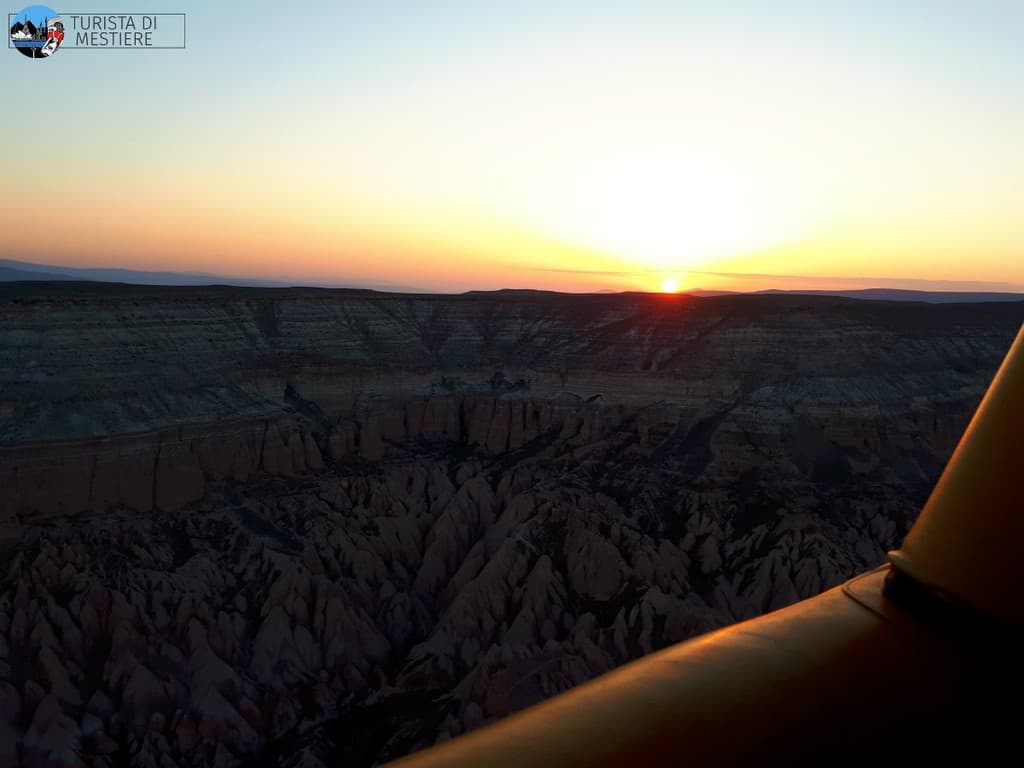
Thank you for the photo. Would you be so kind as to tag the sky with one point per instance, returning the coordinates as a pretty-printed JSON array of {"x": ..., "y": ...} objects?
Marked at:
[
  {"x": 570, "y": 145},
  {"x": 37, "y": 14}
]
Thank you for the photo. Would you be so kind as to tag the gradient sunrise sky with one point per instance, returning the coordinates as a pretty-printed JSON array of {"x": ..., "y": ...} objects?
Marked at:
[{"x": 450, "y": 145}]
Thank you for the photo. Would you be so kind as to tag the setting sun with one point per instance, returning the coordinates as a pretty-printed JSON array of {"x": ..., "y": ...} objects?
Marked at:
[
  {"x": 452, "y": 151},
  {"x": 669, "y": 285}
]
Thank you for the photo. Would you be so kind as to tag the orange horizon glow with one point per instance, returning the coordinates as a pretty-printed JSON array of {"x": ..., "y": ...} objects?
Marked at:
[{"x": 511, "y": 150}]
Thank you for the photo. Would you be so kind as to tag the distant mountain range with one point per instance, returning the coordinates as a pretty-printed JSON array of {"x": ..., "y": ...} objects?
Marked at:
[
  {"x": 891, "y": 294},
  {"x": 14, "y": 271},
  {"x": 931, "y": 297}
]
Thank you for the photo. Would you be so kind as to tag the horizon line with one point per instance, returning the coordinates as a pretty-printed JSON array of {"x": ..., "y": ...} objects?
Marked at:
[{"x": 908, "y": 284}]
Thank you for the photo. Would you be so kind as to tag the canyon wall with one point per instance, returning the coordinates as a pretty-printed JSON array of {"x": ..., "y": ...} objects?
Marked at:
[
  {"x": 322, "y": 528},
  {"x": 125, "y": 396}
]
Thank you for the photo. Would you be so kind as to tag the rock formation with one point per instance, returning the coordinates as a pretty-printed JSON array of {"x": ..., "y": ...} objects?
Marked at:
[{"x": 327, "y": 528}]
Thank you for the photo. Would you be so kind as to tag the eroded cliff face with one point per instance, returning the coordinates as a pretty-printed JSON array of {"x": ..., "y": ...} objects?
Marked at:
[
  {"x": 137, "y": 397},
  {"x": 305, "y": 527}
]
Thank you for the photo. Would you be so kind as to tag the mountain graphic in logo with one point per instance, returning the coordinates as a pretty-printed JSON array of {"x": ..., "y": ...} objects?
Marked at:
[{"x": 37, "y": 31}]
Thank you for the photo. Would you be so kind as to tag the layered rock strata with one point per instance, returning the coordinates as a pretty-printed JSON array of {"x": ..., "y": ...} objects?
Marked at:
[{"x": 324, "y": 528}]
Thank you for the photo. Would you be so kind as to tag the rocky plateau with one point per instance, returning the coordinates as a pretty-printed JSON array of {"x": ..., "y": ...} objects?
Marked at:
[{"x": 306, "y": 527}]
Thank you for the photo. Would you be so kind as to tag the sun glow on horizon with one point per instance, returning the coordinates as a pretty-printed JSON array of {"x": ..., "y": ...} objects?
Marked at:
[
  {"x": 669, "y": 285},
  {"x": 567, "y": 146},
  {"x": 666, "y": 218}
]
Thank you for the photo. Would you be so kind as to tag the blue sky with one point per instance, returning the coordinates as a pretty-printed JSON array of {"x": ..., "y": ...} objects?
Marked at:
[
  {"x": 37, "y": 14},
  {"x": 884, "y": 136}
]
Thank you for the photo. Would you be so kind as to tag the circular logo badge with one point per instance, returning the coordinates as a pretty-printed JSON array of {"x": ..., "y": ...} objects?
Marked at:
[{"x": 37, "y": 31}]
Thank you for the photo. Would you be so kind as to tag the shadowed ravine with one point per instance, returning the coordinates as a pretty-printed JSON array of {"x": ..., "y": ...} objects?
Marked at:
[{"x": 301, "y": 527}]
